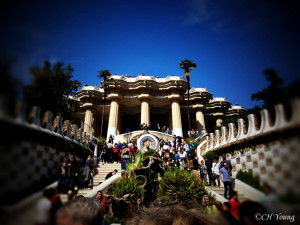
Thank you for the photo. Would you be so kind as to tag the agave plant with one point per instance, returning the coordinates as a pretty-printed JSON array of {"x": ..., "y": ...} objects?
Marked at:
[
  {"x": 179, "y": 187},
  {"x": 133, "y": 164},
  {"x": 128, "y": 185},
  {"x": 150, "y": 152}
]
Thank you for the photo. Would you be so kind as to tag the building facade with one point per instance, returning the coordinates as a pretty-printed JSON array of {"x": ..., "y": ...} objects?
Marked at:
[{"x": 148, "y": 100}]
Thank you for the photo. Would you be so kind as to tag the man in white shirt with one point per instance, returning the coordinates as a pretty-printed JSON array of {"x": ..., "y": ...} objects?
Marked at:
[
  {"x": 43, "y": 208},
  {"x": 216, "y": 172},
  {"x": 184, "y": 159}
]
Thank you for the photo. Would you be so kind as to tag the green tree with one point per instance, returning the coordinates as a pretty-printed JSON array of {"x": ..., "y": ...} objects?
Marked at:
[
  {"x": 51, "y": 87},
  {"x": 105, "y": 74},
  {"x": 187, "y": 66},
  {"x": 274, "y": 93},
  {"x": 10, "y": 85}
]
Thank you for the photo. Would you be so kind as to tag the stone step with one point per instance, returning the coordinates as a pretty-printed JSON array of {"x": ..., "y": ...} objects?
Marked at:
[{"x": 243, "y": 195}]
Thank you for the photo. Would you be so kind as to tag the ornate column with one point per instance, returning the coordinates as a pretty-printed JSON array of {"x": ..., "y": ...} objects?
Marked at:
[
  {"x": 88, "y": 121},
  {"x": 113, "y": 118},
  {"x": 119, "y": 127},
  {"x": 145, "y": 112},
  {"x": 170, "y": 123},
  {"x": 176, "y": 118},
  {"x": 200, "y": 120}
]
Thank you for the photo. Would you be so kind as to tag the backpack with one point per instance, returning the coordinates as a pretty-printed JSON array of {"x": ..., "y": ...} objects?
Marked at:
[
  {"x": 190, "y": 164},
  {"x": 167, "y": 155}
]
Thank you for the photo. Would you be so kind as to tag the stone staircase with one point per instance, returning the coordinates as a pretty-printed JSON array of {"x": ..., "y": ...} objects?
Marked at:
[
  {"x": 101, "y": 171},
  {"x": 243, "y": 193}
]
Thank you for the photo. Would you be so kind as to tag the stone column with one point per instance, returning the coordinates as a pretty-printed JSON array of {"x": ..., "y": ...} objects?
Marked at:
[
  {"x": 145, "y": 112},
  {"x": 88, "y": 121},
  {"x": 113, "y": 118},
  {"x": 176, "y": 118},
  {"x": 119, "y": 127},
  {"x": 200, "y": 120},
  {"x": 170, "y": 123}
]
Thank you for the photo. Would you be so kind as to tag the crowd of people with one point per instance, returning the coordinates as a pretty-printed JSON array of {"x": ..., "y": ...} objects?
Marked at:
[
  {"x": 94, "y": 211},
  {"x": 75, "y": 173},
  {"x": 176, "y": 153}
]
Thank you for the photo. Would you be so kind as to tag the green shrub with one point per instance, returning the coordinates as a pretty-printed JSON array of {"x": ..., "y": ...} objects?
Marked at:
[
  {"x": 196, "y": 143},
  {"x": 248, "y": 179},
  {"x": 100, "y": 140},
  {"x": 211, "y": 155},
  {"x": 128, "y": 185},
  {"x": 150, "y": 152},
  {"x": 180, "y": 186},
  {"x": 133, "y": 164},
  {"x": 111, "y": 218}
]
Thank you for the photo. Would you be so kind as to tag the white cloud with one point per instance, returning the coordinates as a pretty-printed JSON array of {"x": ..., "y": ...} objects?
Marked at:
[{"x": 197, "y": 12}]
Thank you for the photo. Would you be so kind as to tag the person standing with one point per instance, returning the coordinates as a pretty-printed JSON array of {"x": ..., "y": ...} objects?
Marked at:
[
  {"x": 225, "y": 178},
  {"x": 195, "y": 168},
  {"x": 157, "y": 127},
  {"x": 210, "y": 208},
  {"x": 226, "y": 207},
  {"x": 235, "y": 204},
  {"x": 203, "y": 171},
  {"x": 184, "y": 160},
  {"x": 229, "y": 166},
  {"x": 43, "y": 208},
  {"x": 215, "y": 172},
  {"x": 104, "y": 153},
  {"x": 208, "y": 165},
  {"x": 73, "y": 170},
  {"x": 176, "y": 159},
  {"x": 166, "y": 152},
  {"x": 101, "y": 200},
  {"x": 161, "y": 144},
  {"x": 124, "y": 157},
  {"x": 89, "y": 164},
  {"x": 61, "y": 183},
  {"x": 110, "y": 152}
]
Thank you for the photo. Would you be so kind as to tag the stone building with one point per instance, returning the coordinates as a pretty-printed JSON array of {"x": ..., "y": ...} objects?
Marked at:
[{"x": 132, "y": 101}]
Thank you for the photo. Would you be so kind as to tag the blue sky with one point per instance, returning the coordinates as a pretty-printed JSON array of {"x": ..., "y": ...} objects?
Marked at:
[{"x": 232, "y": 41}]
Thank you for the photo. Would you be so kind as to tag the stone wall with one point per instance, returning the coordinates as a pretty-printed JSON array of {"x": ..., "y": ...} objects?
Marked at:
[
  {"x": 270, "y": 151},
  {"x": 32, "y": 149}
]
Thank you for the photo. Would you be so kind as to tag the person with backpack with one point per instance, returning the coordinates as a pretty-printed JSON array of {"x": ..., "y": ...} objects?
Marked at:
[
  {"x": 103, "y": 155},
  {"x": 208, "y": 165},
  {"x": 166, "y": 152},
  {"x": 89, "y": 164},
  {"x": 110, "y": 151},
  {"x": 177, "y": 159},
  {"x": 203, "y": 171},
  {"x": 195, "y": 168},
  {"x": 125, "y": 154}
]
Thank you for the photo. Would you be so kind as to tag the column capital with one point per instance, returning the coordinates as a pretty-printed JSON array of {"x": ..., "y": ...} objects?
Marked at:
[
  {"x": 114, "y": 97},
  {"x": 198, "y": 107},
  {"x": 115, "y": 100},
  {"x": 88, "y": 106},
  {"x": 144, "y": 97},
  {"x": 175, "y": 98}
]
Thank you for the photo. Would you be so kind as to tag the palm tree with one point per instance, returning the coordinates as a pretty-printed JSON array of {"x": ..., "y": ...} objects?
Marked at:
[
  {"x": 187, "y": 66},
  {"x": 105, "y": 74}
]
